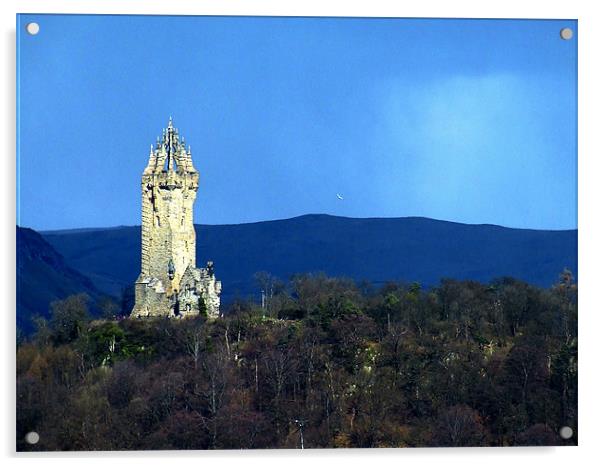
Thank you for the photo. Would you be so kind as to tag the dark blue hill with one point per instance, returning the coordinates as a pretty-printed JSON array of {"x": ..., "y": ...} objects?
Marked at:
[
  {"x": 374, "y": 249},
  {"x": 43, "y": 276}
]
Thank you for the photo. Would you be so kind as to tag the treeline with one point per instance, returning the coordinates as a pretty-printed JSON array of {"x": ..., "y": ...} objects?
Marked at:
[{"x": 336, "y": 363}]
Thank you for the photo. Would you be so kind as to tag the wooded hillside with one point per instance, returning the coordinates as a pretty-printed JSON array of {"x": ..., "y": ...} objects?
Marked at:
[{"x": 461, "y": 364}]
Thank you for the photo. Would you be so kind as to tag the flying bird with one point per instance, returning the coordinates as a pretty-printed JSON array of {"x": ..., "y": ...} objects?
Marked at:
[{"x": 339, "y": 197}]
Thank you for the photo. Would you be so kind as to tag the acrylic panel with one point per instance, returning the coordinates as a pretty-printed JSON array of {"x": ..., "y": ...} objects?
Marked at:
[{"x": 284, "y": 232}]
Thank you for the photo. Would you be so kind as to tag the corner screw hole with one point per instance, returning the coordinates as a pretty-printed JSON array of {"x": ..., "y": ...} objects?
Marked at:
[
  {"x": 32, "y": 28},
  {"x": 32, "y": 438},
  {"x": 566, "y": 33}
]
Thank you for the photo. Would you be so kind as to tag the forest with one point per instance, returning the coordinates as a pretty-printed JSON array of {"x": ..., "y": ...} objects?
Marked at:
[{"x": 321, "y": 362}]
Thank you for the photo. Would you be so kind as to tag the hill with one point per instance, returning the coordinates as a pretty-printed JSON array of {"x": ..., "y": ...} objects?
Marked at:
[
  {"x": 43, "y": 276},
  {"x": 372, "y": 249}
]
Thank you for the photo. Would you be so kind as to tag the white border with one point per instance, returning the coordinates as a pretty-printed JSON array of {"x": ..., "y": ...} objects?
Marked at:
[{"x": 590, "y": 259}]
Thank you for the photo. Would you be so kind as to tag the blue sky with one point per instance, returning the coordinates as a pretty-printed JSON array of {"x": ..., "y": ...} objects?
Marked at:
[{"x": 465, "y": 120}]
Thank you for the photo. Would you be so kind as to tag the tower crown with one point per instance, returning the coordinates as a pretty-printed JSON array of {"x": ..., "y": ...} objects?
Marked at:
[{"x": 170, "y": 153}]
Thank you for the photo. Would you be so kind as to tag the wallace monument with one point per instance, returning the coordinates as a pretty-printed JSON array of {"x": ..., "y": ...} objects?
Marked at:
[{"x": 169, "y": 284}]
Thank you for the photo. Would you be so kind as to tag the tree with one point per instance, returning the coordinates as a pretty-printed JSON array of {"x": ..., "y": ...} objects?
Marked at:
[
  {"x": 123, "y": 384},
  {"x": 109, "y": 308},
  {"x": 195, "y": 337},
  {"x": 68, "y": 317},
  {"x": 266, "y": 286},
  {"x": 459, "y": 426},
  {"x": 538, "y": 435}
]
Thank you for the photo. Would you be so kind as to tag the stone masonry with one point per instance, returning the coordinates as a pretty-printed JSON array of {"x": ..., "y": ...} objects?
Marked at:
[{"x": 169, "y": 284}]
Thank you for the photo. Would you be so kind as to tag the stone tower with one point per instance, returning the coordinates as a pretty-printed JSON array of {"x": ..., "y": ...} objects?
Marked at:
[{"x": 169, "y": 284}]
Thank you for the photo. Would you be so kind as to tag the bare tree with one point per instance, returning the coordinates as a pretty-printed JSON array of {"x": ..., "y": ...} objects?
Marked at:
[{"x": 194, "y": 342}]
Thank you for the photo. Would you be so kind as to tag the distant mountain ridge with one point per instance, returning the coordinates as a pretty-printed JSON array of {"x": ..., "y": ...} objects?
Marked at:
[
  {"x": 373, "y": 249},
  {"x": 43, "y": 276}
]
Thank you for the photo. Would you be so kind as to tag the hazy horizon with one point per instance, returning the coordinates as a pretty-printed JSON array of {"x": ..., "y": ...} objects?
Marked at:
[{"x": 137, "y": 225}]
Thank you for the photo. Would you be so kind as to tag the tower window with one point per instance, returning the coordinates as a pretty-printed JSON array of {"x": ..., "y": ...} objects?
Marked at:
[{"x": 158, "y": 221}]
